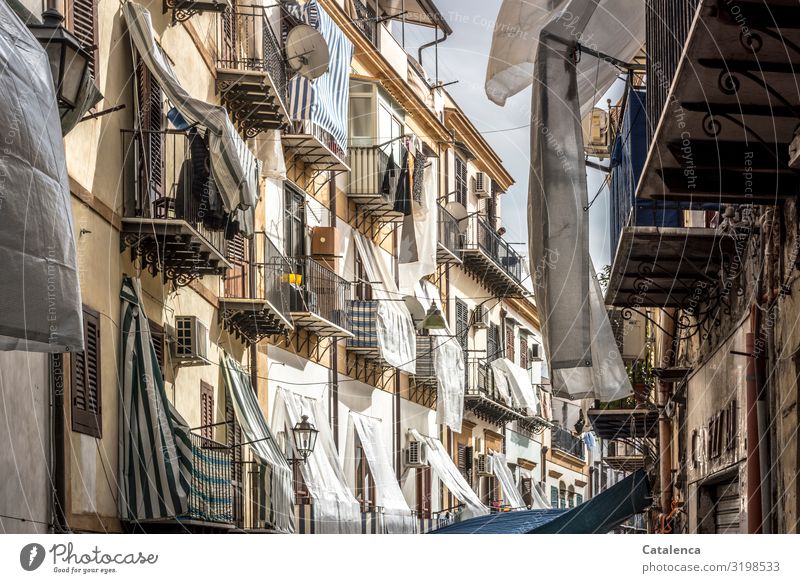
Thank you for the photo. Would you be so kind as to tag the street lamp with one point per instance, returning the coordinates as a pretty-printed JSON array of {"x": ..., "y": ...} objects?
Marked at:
[
  {"x": 305, "y": 437},
  {"x": 69, "y": 61},
  {"x": 434, "y": 320}
]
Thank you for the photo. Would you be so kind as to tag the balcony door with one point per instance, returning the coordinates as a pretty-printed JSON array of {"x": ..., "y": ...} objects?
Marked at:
[{"x": 294, "y": 223}]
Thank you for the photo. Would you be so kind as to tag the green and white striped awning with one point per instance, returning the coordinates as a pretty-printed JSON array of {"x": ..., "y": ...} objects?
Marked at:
[
  {"x": 155, "y": 454},
  {"x": 275, "y": 504}
]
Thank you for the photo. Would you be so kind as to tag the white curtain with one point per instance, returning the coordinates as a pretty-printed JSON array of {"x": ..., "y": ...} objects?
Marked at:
[
  {"x": 616, "y": 28},
  {"x": 397, "y": 337},
  {"x": 336, "y": 511},
  {"x": 518, "y": 381},
  {"x": 421, "y": 227},
  {"x": 448, "y": 474},
  {"x": 233, "y": 165},
  {"x": 397, "y": 517},
  {"x": 503, "y": 474},
  {"x": 448, "y": 363}
]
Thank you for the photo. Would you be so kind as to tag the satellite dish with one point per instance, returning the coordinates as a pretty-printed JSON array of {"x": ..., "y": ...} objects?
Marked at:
[
  {"x": 459, "y": 213},
  {"x": 307, "y": 52}
]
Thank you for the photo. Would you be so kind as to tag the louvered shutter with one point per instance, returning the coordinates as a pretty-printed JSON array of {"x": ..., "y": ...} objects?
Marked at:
[
  {"x": 461, "y": 181},
  {"x": 236, "y": 278},
  {"x": 151, "y": 126},
  {"x": 85, "y": 379},
  {"x": 157, "y": 333},
  {"x": 82, "y": 22},
  {"x": 523, "y": 352},
  {"x": 510, "y": 344},
  {"x": 206, "y": 410},
  {"x": 553, "y": 497},
  {"x": 462, "y": 323},
  {"x": 526, "y": 489},
  {"x": 493, "y": 342},
  {"x": 233, "y": 439}
]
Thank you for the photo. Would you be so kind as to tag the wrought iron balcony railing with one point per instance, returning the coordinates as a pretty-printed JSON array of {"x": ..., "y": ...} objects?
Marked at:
[
  {"x": 564, "y": 441},
  {"x": 319, "y": 302},
  {"x": 450, "y": 240},
  {"x": 172, "y": 212},
  {"x": 366, "y": 19},
  {"x": 251, "y": 70},
  {"x": 492, "y": 259},
  {"x": 255, "y": 303}
]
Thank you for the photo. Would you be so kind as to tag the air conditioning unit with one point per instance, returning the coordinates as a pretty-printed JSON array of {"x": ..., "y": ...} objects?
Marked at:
[
  {"x": 190, "y": 344},
  {"x": 596, "y": 133},
  {"x": 480, "y": 317},
  {"x": 480, "y": 185},
  {"x": 416, "y": 454},
  {"x": 483, "y": 465},
  {"x": 535, "y": 352}
]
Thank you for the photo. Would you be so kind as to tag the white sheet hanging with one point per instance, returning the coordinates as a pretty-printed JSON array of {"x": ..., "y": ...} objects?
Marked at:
[
  {"x": 448, "y": 363},
  {"x": 397, "y": 337},
  {"x": 448, "y": 474},
  {"x": 502, "y": 472},
  {"x": 336, "y": 511},
  {"x": 517, "y": 380},
  {"x": 233, "y": 165},
  {"x": 397, "y": 517},
  {"x": 539, "y": 498},
  {"x": 422, "y": 228},
  {"x": 40, "y": 296},
  {"x": 616, "y": 28}
]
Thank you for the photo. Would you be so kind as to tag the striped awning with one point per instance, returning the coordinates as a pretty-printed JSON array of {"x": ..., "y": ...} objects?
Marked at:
[
  {"x": 324, "y": 101},
  {"x": 275, "y": 508},
  {"x": 155, "y": 454},
  {"x": 233, "y": 165}
]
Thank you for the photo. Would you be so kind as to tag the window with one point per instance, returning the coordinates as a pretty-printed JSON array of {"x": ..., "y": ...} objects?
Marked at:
[
  {"x": 151, "y": 124},
  {"x": 461, "y": 181},
  {"x": 578, "y": 499},
  {"x": 362, "y": 113},
  {"x": 233, "y": 439},
  {"x": 510, "y": 344},
  {"x": 237, "y": 284},
  {"x": 390, "y": 129},
  {"x": 526, "y": 489},
  {"x": 462, "y": 324},
  {"x": 85, "y": 379},
  {"x": 294, "y": 222},
  {"x": 464, "y": 459},
  {"x": 424, "y": 492},
  {"x": 491, "y": 495},
  {"x": 562, "y": 496},
  {"x": 206, "y": 411},
  {"x": 81, "y": 20},
  {"x": 553, "y": 497},
  {"x": 365, "y": 485},
  {"x": 493, "y": 342}
]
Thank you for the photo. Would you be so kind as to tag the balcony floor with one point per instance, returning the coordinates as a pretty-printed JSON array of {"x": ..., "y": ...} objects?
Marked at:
[
  {"x": 492, "y": 275},
  {"x": 252, "y": 100},
  {"x": 318, "y": 325},
  {"x": 252, "y": 319},
  {"x": 445, "y": 256},
  {"x": 624, "y": 423},
  {"x": 625, "y": 463},
  {"x": 376, "y": 205},
  {"x": 489, "y": 410},
  {"x": 313, "y": 152},
  {"x": 173, "y": 247}
]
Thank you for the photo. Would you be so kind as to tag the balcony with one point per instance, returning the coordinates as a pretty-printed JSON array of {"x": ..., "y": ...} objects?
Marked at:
[
  {"x": 372, "y": 520},
  {"x": 492, "y": 260},
  {"x": 625, "y": 456},
  {"x": 450, "y": 242},
  {"x": 563, "y": 441},
  {"x": 167, "y": 194},
  {"x": 368, "y": 184},
  {"x": 251, "y": 73},
  {"x": 482, "y": 397},
  {"x": 315, "y": 147},
  {"x": 730, "y": 114},
  {"x": 319, "y": 302},
  {"x": 629, "y": 423},
  {"x": 366, "y": 19},
  {"x": 255, "y": 303}
]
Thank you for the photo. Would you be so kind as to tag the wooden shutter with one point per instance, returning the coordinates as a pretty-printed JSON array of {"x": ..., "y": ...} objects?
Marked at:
[
  {"x": 159, "y": 344},
  {"x": 424, "y": 492},
  {"x": 578, "y": 499},
  {"x": 523, "y": 352},
  {"x": 206, "y": 410},
  {"x": 462, "y": 323},
  {"x": 82, "y": 22},
  {"x": 526, "y": 489},
  {"x": 237, "y": 283},
  {"x": 510, "y": 344},
  {"x": 553, "y": 497},
  {"x": 493, "y": 342},
  {"x": 464, "y": 459},
  {"x": 461, "y": 181},
  {"x": 233, "y": 439},
  {"x": 85, "y": 379},
  {"x": 151, "y": 125}
]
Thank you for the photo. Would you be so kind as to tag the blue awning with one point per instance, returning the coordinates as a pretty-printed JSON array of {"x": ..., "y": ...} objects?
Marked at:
[{"x": 598, "y": 515}]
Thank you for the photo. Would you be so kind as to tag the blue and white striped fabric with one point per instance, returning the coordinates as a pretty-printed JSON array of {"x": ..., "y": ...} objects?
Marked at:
[{"x": 324, "y": 101}]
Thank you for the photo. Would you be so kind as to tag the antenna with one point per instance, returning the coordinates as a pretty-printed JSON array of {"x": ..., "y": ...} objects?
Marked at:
[{"x": 307, "y": 52}]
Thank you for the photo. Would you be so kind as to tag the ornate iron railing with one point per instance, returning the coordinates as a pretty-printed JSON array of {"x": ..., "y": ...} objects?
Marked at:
[
  {"x": 563, "y": 440},
  {"x": 322, "y": 292}
]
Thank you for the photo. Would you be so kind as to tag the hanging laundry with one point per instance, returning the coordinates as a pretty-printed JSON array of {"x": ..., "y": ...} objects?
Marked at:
[
  {"x": 402, "y": 195},
  {"x": 391, "y": 173}
]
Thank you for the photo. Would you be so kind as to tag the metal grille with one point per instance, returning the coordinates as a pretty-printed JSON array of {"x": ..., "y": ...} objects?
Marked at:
[
  {"x": 666, "y": 28},
  {"x": 366, "y": 20}
]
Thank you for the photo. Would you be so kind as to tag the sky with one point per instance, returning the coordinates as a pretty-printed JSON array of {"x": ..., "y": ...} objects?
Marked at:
[{"x": 463, "y": 58}]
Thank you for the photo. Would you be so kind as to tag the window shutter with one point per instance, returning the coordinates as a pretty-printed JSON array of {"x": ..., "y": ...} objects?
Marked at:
[
  {"x": 526, "y": 487},
  {"x": 578, "y": 499},
  {"x": 553, "y": 497},
  {"x": 206, "y": 410},
  {"x": 233, "y": 437},
  {"x": 493, "y": 342},
  {"x": 424, "y": 492},
  {"x": 510, "y": 344},
  {"x": 86, "y": 389},
  {"x": 82, "y": 22},
  {"x": 157, "y": 334},
  {"x": 462, "y": 323},
  {"x": 151, "y": 124},
  {"x": 523, "y": 352},
  {"x": 461, "y": 181}
]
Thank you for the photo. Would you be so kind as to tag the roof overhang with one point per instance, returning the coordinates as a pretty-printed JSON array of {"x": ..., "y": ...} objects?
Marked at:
[{"x": 419, "y": 12}]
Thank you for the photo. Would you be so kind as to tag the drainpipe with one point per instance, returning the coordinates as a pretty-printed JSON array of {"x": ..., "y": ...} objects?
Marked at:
[
  {"x": 753, "y": 464},
  {"x": 664, "y": 423},
  {"x": 764, "y": 363},
  {"x": 334, "y": 370},
  {"x": 433, "y": 43}
]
